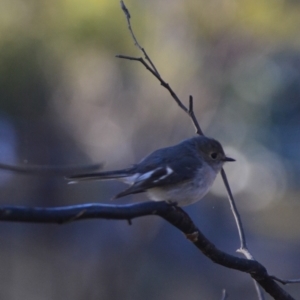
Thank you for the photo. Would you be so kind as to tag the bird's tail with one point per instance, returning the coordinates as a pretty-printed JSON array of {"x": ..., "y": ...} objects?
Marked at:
[{"x": 117, "y": 174}]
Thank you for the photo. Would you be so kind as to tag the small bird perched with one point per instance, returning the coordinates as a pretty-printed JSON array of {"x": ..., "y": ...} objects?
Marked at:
[{"x": 182, "y": 173}]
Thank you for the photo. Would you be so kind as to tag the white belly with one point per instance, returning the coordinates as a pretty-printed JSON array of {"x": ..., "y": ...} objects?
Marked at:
[{"x": 187, "y": 192}]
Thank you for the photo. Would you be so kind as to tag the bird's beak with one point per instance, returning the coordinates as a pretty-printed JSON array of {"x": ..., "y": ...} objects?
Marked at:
[{"x": 228, "y": 159}]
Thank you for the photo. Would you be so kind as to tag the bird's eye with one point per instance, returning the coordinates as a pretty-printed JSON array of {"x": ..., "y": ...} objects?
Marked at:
[{"x": 214, "y": 155}]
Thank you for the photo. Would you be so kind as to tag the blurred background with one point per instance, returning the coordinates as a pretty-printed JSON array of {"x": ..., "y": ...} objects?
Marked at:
[{"x": 65, "y": 99}]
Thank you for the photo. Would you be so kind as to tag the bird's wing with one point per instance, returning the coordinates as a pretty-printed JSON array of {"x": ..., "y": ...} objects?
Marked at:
[
  {"x": 169, "y": 174},
  {"x": 144, "y": 182}
]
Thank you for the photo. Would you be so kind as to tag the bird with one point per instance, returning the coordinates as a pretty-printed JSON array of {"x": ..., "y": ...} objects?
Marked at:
[{"x": 181, "y": 174}]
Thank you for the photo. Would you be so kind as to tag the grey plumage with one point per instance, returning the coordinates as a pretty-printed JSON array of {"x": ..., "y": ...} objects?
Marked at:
[{"x": 182, "y": 173}]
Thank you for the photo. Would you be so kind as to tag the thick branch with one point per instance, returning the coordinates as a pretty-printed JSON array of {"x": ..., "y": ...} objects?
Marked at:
[{"x": 174, "y": 215}]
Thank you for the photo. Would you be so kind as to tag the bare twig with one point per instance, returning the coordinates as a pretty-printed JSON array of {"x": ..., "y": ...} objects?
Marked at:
[
  {"x": 162, "y": 82},
  {"x": 243, "y": 247},
  {"x": 49, "y": 170},
  {"x": 127, "y": 14},
  {"x": 193, "y": 117},
  {"x": 190, "y": 112},
  {"x": 224, "y": 295},
  {"x": 286, "y": 281},
  {"x": 259, "y": 291},
  {"x": 155, "y": 73}
]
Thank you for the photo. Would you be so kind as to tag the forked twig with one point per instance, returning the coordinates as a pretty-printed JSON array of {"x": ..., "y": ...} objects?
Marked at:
[
  {"x": 190, "y": 112},
  {"x": 163, "y": 83},
  {"x": 127, "y": 14},
  {"x": 151, "y": 68}
]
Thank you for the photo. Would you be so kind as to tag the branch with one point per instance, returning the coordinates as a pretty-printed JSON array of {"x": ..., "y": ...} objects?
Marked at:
[
  {"x": 151, "y": 68},
  {"x": 50, "y": 170},
  {"x": 127, "y": 14},
  {"x": 189, "y": 111},
  {"x": 173, "y": 214},
  {"x": 243, "y": 247},
  {"x": 286, "y": 281}
]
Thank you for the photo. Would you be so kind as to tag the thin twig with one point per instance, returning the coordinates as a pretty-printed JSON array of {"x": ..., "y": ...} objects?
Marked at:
[
  {"x": 224, "y": 295},
  {"x": 286, "y": 281},
  {"x": 191, "y": 114},
  {"x": 127, "y": 14},
  {"x": 42, "y": 170},
  {"x": 243, "y": 248},
  {"x": 193, "y": 117},
  {"x": 259, "y": 291},
  {"x": 162, "y": 82},
  {"x": 141, "y": 60}
]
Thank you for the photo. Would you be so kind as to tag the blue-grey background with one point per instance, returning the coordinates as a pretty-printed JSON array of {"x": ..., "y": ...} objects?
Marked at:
[{"x": 65, "y": 99}]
